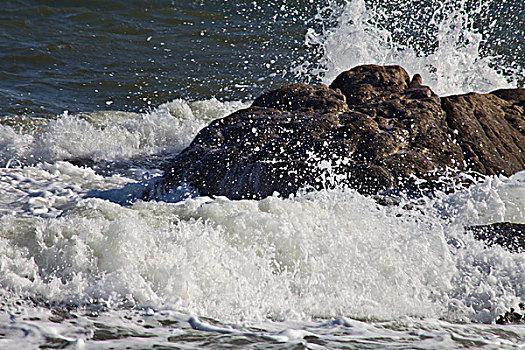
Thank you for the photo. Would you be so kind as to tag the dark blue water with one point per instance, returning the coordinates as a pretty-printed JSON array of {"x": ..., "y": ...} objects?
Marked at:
[
  {"x": 129, "y": 55},
  {"x": 132, "y": 55}
]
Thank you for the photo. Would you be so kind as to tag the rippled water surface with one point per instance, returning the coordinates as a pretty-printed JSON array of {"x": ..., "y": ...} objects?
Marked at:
[{"x": 130, "y": 55}]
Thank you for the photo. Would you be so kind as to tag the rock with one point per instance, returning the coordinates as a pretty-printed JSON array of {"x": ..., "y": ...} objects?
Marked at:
[
  {"x": 512, "y": 316},
  {"x": 416, "y": 81},
  {"x": 510, "y": 236},
  {"x": 303, "y": 97},
  {"x": 364, "y": 83},
  {"x": 373, "y": 130},
  {"x": 489, "y": 129}
]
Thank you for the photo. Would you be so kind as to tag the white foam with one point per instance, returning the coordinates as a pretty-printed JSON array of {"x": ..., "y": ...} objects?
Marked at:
[
  {"x": 274, "y": 258},
  {"x": 360, "y": 36},
  {"x": 108, "y": 135}
]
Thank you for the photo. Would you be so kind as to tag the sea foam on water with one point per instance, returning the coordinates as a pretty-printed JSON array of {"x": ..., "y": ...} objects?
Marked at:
[{"x": 273, "y": 258}]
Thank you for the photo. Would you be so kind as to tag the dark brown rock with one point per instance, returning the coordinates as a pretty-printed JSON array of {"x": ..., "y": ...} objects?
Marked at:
[
  {"x": 515, "y": 317},
  {"x": 303, "y": 97},
  {"x": 364, "y": 83},
  {"x": 510, "y": 236},
  {"x": 490, "y": 130},
  {"x": 389, "y": 132},
  {"x": 416, "y": 81}
]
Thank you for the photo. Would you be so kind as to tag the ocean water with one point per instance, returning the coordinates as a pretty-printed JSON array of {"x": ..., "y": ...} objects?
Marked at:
[{"x": 97, "y": 95}]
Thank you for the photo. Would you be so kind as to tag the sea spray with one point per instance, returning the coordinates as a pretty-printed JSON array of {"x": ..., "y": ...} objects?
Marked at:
[{"x": 441, "y": 40}]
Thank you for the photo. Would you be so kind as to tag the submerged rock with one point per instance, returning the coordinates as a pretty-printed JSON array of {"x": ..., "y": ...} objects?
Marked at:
[
  {"x": 510, "y": 236},
  {"x": 374, "y": 129},
  {"x": 512, "y": 316}
]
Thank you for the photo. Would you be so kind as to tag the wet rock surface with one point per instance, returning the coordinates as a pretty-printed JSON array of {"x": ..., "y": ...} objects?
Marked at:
[
  {"x": 510, "y": 236},
  {"x": 512, "y": 317},
  {"x": 374, "y": 129}
]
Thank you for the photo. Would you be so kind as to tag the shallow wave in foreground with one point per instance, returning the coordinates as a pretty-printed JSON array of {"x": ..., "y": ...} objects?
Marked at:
[{"x": 248, "y": 259}]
